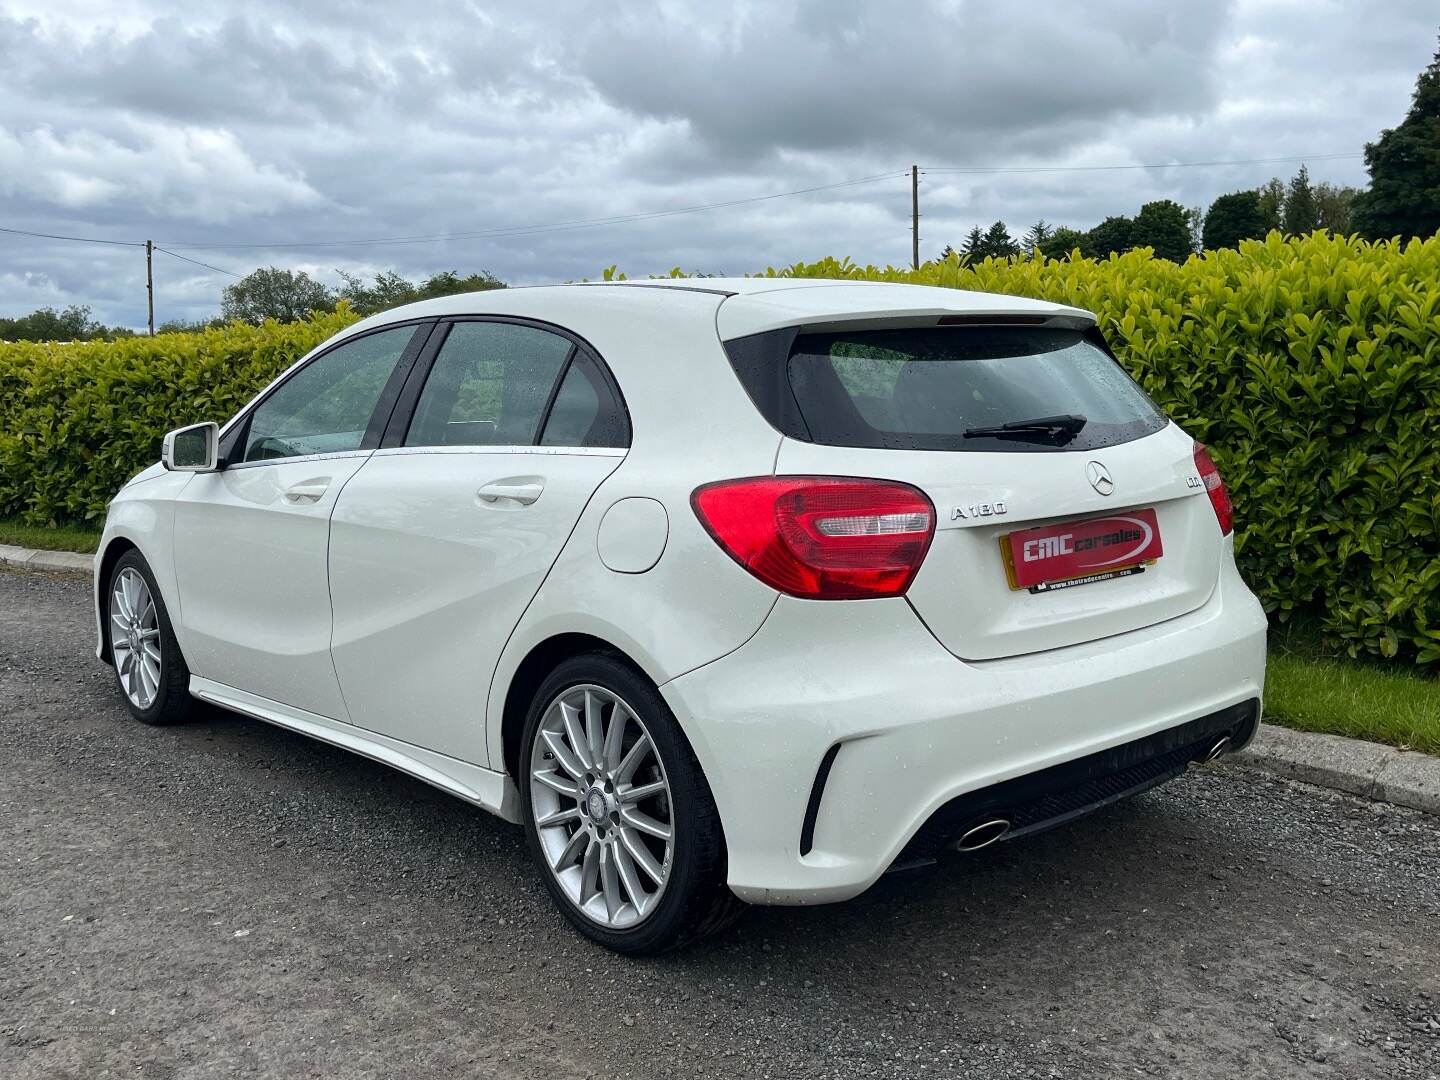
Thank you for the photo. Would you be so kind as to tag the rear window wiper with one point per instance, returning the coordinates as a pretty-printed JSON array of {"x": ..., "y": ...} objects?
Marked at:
[{"x": 1066, "y": 424}]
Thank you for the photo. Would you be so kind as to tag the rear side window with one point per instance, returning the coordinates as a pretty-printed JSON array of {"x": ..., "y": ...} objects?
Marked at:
[
  {"x": 585, "y": 412},
  {"x": 926, "y": 388},
  {"x": 489, "y": 386}
]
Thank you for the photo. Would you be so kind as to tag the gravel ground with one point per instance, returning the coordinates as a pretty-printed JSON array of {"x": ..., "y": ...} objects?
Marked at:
[{"x": 228, "y": 899}]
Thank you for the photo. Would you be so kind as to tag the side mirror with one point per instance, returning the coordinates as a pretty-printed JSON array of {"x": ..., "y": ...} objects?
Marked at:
[{"x": 192, "y": 449}]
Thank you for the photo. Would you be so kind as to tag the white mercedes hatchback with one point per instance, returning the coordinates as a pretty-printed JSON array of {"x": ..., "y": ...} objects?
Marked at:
[{"x": 726, "y": 590}]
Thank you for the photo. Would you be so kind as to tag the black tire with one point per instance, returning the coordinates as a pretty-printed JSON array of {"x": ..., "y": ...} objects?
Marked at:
[
  {"x": 173, "y": 703},
  {"x": 696, "y": 901}
]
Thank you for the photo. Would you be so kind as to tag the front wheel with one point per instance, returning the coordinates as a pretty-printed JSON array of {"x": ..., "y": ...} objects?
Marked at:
[
  {"x": 617, "y": 812},
  {"x": 147, "y": 660}
]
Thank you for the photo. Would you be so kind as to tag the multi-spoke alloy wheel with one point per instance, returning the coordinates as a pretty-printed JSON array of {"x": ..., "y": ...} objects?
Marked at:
[
  {"x": 135, "y": 637},
  {"x": 602, "y": 806},
  {"x": 617, "y": 811},
  {"x": 149, "y": 666}
]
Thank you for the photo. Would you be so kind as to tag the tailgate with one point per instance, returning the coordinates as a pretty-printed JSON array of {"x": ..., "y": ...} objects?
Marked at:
[{"x": 964, "y": 592}]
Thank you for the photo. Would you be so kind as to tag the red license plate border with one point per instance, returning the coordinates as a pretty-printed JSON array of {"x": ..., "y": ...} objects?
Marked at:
[{"x": 1148, "y": 551}]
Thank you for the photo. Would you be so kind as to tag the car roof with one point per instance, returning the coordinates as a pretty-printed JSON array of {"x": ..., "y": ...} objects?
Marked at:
[{"x": 744, "y": 306}]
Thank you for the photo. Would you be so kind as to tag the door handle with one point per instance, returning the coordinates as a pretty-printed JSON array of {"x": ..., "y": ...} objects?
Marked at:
[
  {"x": 307, "y": 491},
  {"x": 523, "y": 490}
]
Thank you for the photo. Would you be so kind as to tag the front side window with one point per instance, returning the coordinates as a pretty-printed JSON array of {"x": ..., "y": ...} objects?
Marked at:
[
  {"x": 489, "y": 386},
  {"x": 326, "y": 406}
]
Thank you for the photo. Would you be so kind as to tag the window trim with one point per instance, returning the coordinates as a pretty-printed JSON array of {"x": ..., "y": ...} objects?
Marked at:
[
  {"x": 237, "y": 428},
  {"x": 408, "y": 398}
]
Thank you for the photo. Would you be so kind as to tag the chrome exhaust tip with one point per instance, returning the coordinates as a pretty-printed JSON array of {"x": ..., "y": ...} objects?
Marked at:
[
  {"x": 982, "y": 835},
  {"x": 1222, "y": 746}
]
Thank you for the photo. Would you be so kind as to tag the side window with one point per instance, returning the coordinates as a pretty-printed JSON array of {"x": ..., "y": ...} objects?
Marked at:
[
  {"x": 326, "y": 406},
  {"x": 488, "y": 387},
  {"x": 585, "y": 412}
]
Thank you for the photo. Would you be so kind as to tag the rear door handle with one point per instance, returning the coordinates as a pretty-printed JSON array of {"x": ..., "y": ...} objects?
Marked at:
[
  {"x": 523, "y": 490},
  {"x": 307, "y": 491}
]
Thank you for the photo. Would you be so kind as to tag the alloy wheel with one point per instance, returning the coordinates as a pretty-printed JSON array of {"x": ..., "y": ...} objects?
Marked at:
[
  {"x": 135, "y": 637},
  {"x": 602, "y": 806}
]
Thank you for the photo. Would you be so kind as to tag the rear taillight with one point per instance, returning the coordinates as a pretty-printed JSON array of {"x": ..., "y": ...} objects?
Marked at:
[
  {"x": 1215, "y": 488},
  {"x": 821, "y": 537}
]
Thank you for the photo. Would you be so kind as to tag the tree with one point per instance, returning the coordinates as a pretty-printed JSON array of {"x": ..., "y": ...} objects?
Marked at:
[
  {"x": 1163, "y": 227},
  {"x": 391, "y": 290},
  {"x": 974, "y": 246},
  {"x": 448, "y": 283},
  {"x": 1195, "y": 226},
  {"x": 1062, "y": 242},
  {"x": 1235, "y": 217},
  {"x": 1404, "y": 165},
  {"x": 1301, "y": 215},
  {"x": 1110, "y": 236},
  {"x": 188, "y": 326},
  {"x": 1036, "y": 237},
  {"x": 1272, "y": 203},
  {"x": 948, "y": 254},
  {"x": 1333, "y": 203},
  {"x": 47, "y": 324},
  {"x": 998, "y": 242},
  {"x": 272, "y": 293}
]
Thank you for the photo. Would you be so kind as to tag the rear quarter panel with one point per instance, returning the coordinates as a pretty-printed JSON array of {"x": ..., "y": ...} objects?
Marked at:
[{"x": 692, "y": 423}]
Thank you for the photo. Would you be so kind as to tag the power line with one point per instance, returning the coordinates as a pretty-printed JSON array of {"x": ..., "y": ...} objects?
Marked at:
[
  {"x": 197, "y": 262},
  {"x": 651, "y": 215},
  {"x": 1157, "y": 165},
  {"x": 501, "y": 231},
  {"x": 78, "y": 239},
  {"x": 554, "y": 226}
]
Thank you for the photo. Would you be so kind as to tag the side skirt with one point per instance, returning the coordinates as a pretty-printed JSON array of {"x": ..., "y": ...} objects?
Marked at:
[{"x": 485, "y": 788}]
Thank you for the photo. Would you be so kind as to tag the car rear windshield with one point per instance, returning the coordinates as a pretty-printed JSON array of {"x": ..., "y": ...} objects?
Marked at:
[{"x": 925, "y": 388}]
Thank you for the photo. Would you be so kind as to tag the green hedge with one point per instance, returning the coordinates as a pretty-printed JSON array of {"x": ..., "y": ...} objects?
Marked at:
[
  {"x": 1310, "y": 366},
  {"x": 77, "y": 420}
]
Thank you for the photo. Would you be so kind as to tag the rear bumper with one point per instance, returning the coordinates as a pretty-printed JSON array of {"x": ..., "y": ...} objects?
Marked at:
[
  {"x": 914, "y": 736},
  {"x": 1042, "y": 800}
]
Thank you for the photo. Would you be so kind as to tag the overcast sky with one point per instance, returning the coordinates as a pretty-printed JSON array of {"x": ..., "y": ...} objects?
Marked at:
[{"x": 208, "y": 125}]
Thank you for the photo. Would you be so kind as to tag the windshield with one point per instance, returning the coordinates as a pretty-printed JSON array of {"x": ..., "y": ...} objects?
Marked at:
[{"x": 923, "y": 388}]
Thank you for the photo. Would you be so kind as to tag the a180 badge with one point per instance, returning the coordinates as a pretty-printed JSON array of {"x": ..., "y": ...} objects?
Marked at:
[{"x": 978, "y": 510}]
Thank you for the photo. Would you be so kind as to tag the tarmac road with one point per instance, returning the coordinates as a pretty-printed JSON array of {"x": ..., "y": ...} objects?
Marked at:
[{"x": 228, "y": 899}]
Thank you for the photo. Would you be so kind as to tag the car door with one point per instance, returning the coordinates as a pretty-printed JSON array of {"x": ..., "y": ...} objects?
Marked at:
[
  {"x": 443, "y": 537},
  {"x": 250, "y": 539}
]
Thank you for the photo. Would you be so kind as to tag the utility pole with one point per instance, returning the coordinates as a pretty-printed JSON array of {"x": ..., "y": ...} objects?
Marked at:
[
  {"x": 915, "y": 216},
  {"x": 150, "y": 283}
]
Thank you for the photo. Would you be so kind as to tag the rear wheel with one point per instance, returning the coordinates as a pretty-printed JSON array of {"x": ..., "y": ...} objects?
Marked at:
[
  {"x": 148, "y": 666},
  {"x": 617, "y": 812}
]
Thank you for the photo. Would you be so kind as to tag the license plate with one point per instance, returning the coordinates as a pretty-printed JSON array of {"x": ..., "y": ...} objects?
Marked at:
[{"x": 1081, "y": 552}]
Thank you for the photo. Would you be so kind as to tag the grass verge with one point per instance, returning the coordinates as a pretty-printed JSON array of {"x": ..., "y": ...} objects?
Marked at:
[
  {"x": 62, "y": 538},
  {"x": 1313, "y": 689}
]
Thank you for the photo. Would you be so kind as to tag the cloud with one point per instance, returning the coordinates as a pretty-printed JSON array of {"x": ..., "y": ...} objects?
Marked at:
[
  {"x": 181, "y": 172},
  {"x": 837, "y": 74},
  {"x": 289, "y": 126}
]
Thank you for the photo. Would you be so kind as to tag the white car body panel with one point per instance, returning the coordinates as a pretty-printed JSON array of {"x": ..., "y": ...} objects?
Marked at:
[
  {"x": 490, "y": 790},
  {"x": 820, "y": 304},
  {"x": 427, "y": 580},
  {"x": 918, "y": 727},
  {"x": 142, "y": 515},
  {"x": 250, "y": 565},
  {"x": 426, "y": 641}
]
